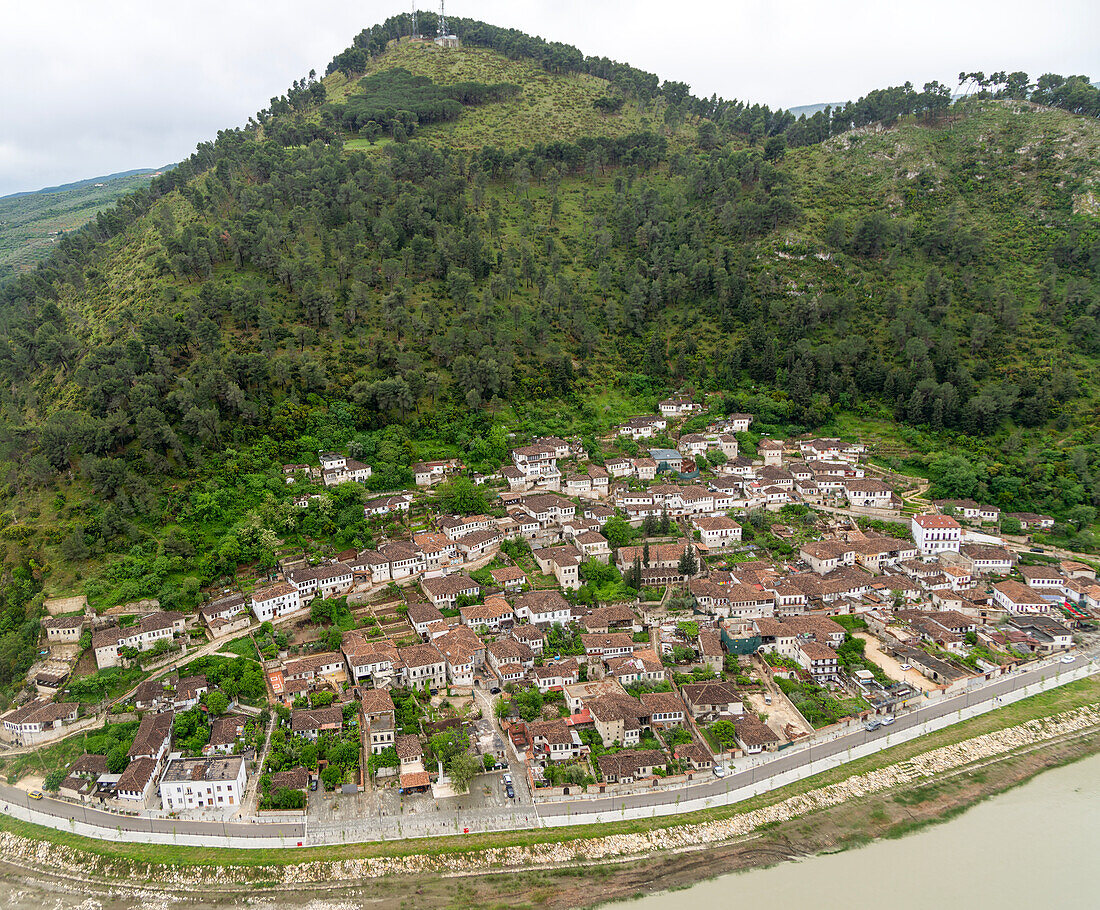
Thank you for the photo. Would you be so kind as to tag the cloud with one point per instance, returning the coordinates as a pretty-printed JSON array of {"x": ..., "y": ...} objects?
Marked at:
[{"x": 92, "y": 88}]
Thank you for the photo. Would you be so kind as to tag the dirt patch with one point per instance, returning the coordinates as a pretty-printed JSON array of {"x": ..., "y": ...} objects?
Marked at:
[
  {"x": 781, "y": 713},
  {"x": 890, "y": 666}
]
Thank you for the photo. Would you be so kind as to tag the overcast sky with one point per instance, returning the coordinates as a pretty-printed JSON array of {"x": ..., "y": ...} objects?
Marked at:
[{"x": 90, "y": 88}]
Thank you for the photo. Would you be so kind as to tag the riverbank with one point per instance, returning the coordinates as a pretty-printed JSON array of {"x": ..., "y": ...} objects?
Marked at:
[
  {"x": 886, "y": 794},
  {"x": 1022, "y": 849}
]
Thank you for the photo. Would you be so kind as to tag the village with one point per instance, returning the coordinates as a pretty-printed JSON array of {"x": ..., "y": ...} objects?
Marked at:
[{"x": 639, "y": 616}]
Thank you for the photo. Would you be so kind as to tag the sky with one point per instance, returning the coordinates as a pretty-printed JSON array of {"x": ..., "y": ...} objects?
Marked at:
[{"x": 88, "y": 89}]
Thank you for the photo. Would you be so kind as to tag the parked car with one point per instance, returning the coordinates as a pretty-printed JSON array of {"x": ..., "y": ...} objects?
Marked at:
[
  {"x": 1036, "y": 549},
  {"x": 1068, "y": 658},
  {"x": 872, "y": 725},
  {"x": 507, "y": 778},
  {"x": 313, "y": 784},
  {"x": 719, "y": 771},
  {"x": 509, "y": 791},
  {"x": 495, "y": 690},
  {"x": 888, "y": 719},
  {"x": 906, "y": 667},
  {"x": 767, "y": 698}
]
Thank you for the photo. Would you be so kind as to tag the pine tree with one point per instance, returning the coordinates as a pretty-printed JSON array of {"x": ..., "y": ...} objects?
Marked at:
[{"x": 687, "y": 562}]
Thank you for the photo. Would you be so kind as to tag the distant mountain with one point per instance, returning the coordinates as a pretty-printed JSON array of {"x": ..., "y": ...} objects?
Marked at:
[
  {"x": 32, "y": 222},
  {"x": 90, "y": 181},
  {"x": 810, "y": 109}
]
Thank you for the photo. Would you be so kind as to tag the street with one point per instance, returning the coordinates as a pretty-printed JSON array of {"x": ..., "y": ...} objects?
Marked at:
[{"x": 375, "y": 816}]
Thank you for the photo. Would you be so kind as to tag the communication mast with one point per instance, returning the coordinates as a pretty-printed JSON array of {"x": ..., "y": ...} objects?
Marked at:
[
  {"x": 445, "y": 39},
  {"x": 415, "y": 31}
]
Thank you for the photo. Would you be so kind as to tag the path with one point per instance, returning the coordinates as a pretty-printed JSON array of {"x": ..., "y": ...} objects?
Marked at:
[{"x": 254, "y": 783}]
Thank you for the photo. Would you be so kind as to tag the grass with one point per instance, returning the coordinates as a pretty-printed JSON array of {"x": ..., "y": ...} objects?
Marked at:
[
  {"x": 242, "y": 647},
  {"x": 548, "y": 105},
  {"x": 1074, "y": 695},
  {"x": 42, "y": 761}
]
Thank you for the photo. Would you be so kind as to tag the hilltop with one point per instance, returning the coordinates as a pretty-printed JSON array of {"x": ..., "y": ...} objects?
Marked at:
[
  {"x": 523, "y": 240},
  {"x": 548, "y": 106}
]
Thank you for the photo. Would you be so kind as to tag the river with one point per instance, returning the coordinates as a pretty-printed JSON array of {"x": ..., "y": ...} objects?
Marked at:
[{"x": 1033, "y": 846}]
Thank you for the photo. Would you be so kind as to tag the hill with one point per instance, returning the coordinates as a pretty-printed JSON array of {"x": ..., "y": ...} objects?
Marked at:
[
  {"x": 31, "y": 223},
  {"x": 438, "y": 252}
]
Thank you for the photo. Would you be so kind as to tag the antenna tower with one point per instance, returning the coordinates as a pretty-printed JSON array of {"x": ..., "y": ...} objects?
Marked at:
[
  {"x": 415, "y": 30},
  {"x": 442, "y": 19}
]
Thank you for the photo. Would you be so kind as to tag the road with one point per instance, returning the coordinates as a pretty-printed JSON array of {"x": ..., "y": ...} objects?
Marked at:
[
  {"x": 114, "y": 825},
  {"x": 424, "y": 817},
  {"x": 791, "y": 759}
]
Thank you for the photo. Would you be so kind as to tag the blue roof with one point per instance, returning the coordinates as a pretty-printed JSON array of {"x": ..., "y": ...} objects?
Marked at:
[{"x": 665, "y": 455}]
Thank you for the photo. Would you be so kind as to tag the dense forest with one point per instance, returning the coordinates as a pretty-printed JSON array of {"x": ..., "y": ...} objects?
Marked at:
[{"x": 905, "y": 265}]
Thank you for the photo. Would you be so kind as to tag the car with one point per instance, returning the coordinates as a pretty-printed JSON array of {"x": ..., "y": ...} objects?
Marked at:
[
  {"x": 888, "y": 719},
  {"x": 1036, "y": 549},
  {"x": 767, "y": 699},
  {"x": 507, "y": 778},
  {"x": 35, "y": 794},
  {"x": 495, "y": 690},
  {"x": 905, "y": 666},
  {"x": 719, "y": 771},
  {"x": 509, "y": 791},
  {"x": 872, "y": 725},
  {"x": 313, "y": 785},
  {"x": 1068, "y": 658}
]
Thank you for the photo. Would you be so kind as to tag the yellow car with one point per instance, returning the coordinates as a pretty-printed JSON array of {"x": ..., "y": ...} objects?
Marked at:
[{"x": 35, "y": 794}]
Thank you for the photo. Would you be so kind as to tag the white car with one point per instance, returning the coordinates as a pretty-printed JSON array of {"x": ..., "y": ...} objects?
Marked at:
[
  {"x": 719, "y": 771},
  {"x": 906, "y": 667},
  {"x": 1068, "y": 658},
  {"x": 888, "y": 719}
]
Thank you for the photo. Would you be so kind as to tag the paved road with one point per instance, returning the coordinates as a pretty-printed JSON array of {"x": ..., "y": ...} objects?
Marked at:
[
  {"x": 114, "y": 823},
  {"x": 790, "y": 760},
  {"x": 422, "y": 818}
]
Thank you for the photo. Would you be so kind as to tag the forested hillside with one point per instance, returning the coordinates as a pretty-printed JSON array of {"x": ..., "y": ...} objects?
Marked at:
[{"x": 364, "y": 268}]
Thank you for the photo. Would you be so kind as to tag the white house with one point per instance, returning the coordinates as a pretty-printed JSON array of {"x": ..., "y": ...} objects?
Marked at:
[
  {"x": 202, "y": 783},
  {"x": 1019, "y": 598},
  {"x": 275, "y": 600},
  {"x": 715, "y": 533},
  {"x": 544, "y": 608},
  {"x": 936, "y": 534}
]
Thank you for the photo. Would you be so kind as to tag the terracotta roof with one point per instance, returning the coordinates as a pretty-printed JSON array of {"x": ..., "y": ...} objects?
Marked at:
[
  {"x": 294, "y": 779},
  {"x": 153, "y": 730},
  {"x": 408, "y": 747},
  {"x": 137, "y": 775},
  {"x": 316, "y": 718}
]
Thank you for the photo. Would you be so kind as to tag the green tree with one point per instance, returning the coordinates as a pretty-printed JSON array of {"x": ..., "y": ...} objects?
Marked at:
[
  {"x": 217, "y": 702},
  {"x": 463, "y": 769},
  {"x": 53, "y": 780},
  {"x": 117, "y": 759},
  {"x": 617, "y": 532},
  {"x": 461, "y": 496},
  {"x": 688, "y": 565}
]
